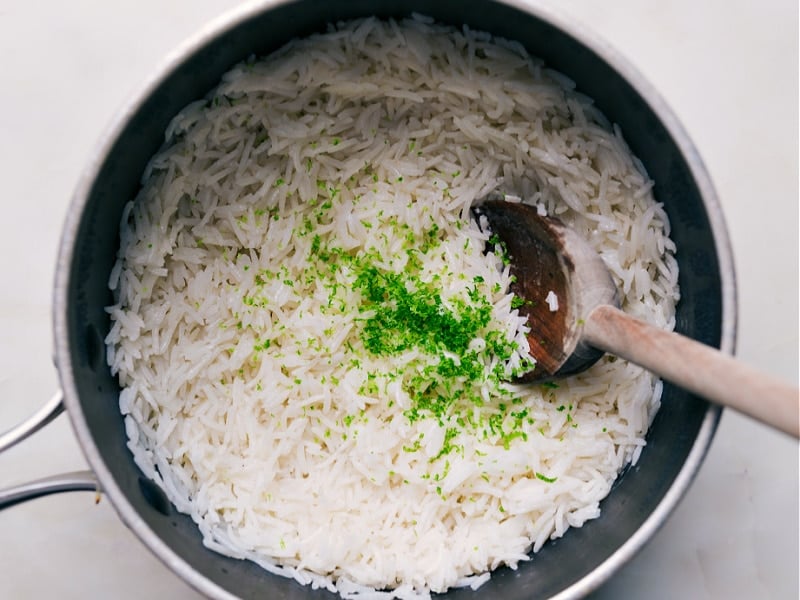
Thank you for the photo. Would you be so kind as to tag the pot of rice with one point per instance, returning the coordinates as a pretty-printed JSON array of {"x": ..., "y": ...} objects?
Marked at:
[{"x": 290, "y": 353}]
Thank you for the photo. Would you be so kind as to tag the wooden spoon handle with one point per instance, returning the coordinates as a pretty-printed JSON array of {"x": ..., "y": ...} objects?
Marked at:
[{"x": 696, "y": 367}]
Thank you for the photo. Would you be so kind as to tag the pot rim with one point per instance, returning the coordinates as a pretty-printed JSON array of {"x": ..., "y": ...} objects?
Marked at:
[{"x": 547, "y": 13}]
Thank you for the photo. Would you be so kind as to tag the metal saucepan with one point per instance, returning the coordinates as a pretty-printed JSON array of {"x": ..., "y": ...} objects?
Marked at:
[{"x": 680, "y": 435}]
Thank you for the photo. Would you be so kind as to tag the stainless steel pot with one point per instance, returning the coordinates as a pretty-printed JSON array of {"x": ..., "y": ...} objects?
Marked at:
[{"x": 680, "y": 435}]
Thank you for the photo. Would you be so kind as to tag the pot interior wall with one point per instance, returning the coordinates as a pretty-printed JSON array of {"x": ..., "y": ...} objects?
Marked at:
[{"x": 636, "y": 495}]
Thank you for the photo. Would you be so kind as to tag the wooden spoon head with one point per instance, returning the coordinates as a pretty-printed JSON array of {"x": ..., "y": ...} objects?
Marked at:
[{"x": 547, "y": 257}]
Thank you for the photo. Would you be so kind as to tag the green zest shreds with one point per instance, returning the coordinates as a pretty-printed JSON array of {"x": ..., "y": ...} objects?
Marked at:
[
  {"x": 461, "y": 367},
  {"x": 405, "y": 320}
]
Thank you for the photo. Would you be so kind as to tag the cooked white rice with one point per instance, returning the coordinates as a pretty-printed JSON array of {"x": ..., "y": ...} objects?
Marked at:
[{"x": 340, "y": 166}]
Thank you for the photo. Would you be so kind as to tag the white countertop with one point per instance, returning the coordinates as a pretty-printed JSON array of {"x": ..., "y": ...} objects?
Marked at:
[{"x": 729, "y": 69}]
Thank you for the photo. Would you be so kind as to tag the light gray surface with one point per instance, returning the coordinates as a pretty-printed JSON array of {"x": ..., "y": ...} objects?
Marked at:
[{"x": 728, "y": 69}]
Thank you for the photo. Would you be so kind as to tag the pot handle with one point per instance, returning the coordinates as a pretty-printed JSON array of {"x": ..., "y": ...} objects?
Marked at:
[{"x": 67, "y": 482}]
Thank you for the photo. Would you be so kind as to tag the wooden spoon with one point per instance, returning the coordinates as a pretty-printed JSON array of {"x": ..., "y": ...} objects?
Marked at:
[{"x": 549, "y": 257}]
